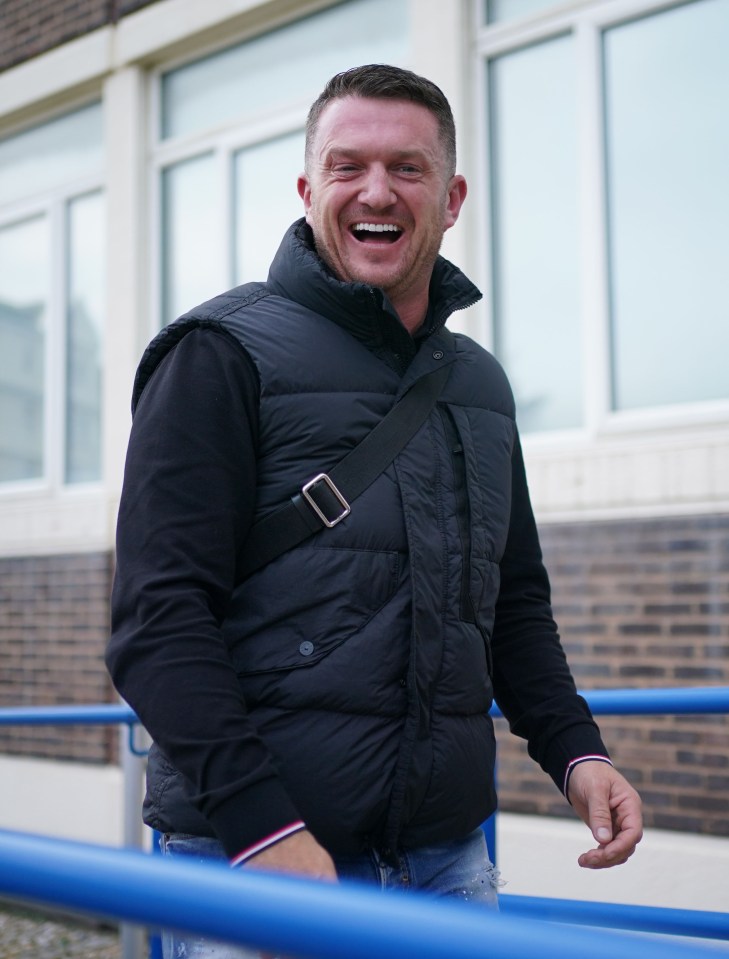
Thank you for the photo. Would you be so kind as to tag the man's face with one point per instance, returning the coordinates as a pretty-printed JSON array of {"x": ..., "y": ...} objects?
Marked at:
[{"x": 378, "y": 196}]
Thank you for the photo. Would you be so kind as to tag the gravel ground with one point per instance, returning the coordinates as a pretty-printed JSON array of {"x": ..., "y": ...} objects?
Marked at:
[{"x": 32, "y": 935}]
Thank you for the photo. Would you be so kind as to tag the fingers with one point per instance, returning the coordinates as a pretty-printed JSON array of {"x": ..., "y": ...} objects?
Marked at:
[
  {"x": 627, "y": 831},
  {"x": 600, "y": 817},
  {"x": 614, "y": 853},
  {"x": 612, "y": 809}
]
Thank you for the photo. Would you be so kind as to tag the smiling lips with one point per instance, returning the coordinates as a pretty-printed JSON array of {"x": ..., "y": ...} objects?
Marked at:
[{"x": 377, "y": 232}]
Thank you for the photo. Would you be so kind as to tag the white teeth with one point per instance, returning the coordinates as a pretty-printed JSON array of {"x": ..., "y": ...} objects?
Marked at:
[{"x": 377, "y": 227}]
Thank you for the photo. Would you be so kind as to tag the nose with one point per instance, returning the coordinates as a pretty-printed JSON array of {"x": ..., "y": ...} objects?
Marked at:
[{"x": 377, "y": 192}]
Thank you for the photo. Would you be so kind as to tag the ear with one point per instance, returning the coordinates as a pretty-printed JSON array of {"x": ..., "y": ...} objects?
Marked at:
[
  {"x": 457, "y": 190},
  {"x": 302, "y": 185}
]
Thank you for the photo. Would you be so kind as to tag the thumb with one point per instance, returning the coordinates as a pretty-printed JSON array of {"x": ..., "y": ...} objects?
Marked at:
[{"x": 600, "y": 820}]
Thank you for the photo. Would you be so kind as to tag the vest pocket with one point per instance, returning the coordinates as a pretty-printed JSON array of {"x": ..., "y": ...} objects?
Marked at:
[{"x": 298, "y": 609}]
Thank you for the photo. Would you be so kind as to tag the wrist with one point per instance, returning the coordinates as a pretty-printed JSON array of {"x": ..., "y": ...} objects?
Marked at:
[
  {"x": 577, "y": 762},
  {"x": 253, "y": 850}
]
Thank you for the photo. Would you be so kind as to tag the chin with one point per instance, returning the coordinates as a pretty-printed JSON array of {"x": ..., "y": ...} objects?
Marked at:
[{"x": 375, "y": 275}]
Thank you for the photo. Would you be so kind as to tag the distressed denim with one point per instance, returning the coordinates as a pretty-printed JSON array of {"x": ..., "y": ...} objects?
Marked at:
[
  {"x": 458, "y": 870},
  {"x": 182, "y": 945}
]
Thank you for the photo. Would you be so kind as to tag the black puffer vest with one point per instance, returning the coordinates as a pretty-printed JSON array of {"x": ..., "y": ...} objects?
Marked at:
[{"x": 363, "y": 654}]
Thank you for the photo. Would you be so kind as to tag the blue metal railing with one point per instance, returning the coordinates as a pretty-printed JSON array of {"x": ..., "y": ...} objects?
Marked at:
[
  {"x": 80, "y": 877},
  {"x": 667, "y": 922},
  {"x": 318, "y": 921},
  {"x": 678, "y": 701}
]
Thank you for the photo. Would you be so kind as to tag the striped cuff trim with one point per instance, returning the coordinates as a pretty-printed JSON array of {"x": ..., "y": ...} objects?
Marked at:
[
  {"x": 271, "y": 840},
  {"x": 576, "y": 762}
]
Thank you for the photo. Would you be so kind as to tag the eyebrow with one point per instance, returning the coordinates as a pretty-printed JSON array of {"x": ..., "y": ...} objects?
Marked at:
[{"x": 355, "y": 153}]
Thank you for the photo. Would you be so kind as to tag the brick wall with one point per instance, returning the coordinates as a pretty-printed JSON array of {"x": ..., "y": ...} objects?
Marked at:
[
  {"x": 54, "y": 625},
  {"x": 29, "y": 28},
  {"x": 642, "y": 604}
]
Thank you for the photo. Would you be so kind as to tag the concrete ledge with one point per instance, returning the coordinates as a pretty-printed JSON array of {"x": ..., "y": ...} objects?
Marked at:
[
  {"x": 69, "y": 800},
  {"x": 538, "y": 857}
]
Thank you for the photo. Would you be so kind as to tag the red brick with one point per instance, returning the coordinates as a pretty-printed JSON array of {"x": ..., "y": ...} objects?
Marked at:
[
  {"x": 28, "y": 29},
  {"x": 652, "y": 604}
]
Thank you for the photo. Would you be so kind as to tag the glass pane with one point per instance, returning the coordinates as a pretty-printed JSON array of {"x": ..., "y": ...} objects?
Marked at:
[
  {"x": 499, "y": 10},
  {"x": 290, "y": 64},
  {"x": 84, "y": 335},
  {"x": 535, "y": 232},
  {"x": 267, "y": 202},
  {"x": 24, "y": 295},
  {"x": 667, "y": 90},
  {"x": 52, "y": 154},
  {"x": 193, "y": 245}
]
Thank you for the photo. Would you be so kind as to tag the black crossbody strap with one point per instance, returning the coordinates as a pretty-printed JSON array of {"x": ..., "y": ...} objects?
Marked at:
[{"x": 326, "y": 499}]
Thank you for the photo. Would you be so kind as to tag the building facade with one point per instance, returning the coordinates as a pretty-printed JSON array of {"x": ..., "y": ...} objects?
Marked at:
[{"x": 148, "y": 156}]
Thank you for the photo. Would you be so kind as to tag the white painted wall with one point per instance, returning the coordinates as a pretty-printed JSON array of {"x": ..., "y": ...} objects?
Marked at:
[{"x": 66, "y": 800}]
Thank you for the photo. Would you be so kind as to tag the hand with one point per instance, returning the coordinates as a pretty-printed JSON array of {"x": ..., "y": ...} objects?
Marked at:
[
  {"x": 610, "y": 806},
  {"x": 299, "y": 855}
]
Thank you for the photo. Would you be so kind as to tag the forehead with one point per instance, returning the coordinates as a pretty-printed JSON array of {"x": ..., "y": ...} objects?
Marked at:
[{"x": 385, "y": 124}]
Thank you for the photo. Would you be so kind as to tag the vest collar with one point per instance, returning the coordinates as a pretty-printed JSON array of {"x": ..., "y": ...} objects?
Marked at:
[{"x": 298, "y": 273}]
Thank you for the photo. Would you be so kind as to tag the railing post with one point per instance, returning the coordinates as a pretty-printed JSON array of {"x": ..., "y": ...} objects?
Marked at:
[{"x": 133, "y": 938}]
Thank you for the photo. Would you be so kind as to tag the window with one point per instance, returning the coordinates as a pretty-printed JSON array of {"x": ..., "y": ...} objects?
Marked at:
[
  {"x": 262, "y": 172},
  {"x": 535, "y": 231},
  {"x": 499, "y": 10},
  {"x": 607, "y": 164},
  {"x": 667, "y": 90},
  {"x": 231, "y": 143},
  {"x": 84, "y": 337},
  {"x": 292, "y": 63},
  {"x": 192, "y": 243},
  {"x": 51, "y": 301},
  {"x": 24, "y": 302}
]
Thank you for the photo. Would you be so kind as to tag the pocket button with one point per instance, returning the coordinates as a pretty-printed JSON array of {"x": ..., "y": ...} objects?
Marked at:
[{"x": 306, "y": 648}]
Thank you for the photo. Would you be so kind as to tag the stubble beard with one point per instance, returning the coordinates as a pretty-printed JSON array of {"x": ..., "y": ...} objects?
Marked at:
[{"x": 403, "y": 277}]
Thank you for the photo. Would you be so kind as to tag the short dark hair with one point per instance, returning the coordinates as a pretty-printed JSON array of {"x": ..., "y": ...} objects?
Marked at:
[{"x": 384, "y": 82}]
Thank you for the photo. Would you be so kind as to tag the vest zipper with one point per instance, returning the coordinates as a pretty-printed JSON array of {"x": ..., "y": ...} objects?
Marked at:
[{"x": 463, "y": 511}]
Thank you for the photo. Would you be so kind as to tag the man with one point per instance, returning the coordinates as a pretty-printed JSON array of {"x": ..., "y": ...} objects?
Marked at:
[{"x": 327, "y": 714}]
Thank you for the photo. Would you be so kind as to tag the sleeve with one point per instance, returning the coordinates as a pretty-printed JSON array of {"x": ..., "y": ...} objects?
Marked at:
[
  {"x": 533, "y": 685},
  {"x": 186, "y": 508}
]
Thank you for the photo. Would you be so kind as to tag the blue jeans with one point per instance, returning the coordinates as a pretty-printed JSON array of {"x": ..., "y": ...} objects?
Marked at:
[{"x": 451, "y": 870}]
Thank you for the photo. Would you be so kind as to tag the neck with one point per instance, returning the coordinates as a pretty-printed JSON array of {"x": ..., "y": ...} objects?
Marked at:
[{"x": 412, "y": 313}]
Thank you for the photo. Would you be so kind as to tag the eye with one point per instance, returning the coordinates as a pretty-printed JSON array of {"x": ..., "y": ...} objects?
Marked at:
[
  {"x": 408, "y": 169},
  {"x": 344, "y": 169}
]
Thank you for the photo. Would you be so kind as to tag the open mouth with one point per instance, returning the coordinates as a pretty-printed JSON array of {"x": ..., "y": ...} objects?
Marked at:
[{"x": 376, "y": 232}]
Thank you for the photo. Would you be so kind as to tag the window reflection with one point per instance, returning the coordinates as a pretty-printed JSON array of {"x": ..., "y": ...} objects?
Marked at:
[
  {"x": 267, "y": 202},
  {"x": 192, "y": 240},
  {"x": 535, "y": 227},
  {"x": 294, "y": 62},
  {"x": 52, "y": 154},
  {"x": 24, "y": 294},
  {"x": 84, "y": 332},
  {"x": 667, "y": 89},
  {"x": 499, "y": 10}
]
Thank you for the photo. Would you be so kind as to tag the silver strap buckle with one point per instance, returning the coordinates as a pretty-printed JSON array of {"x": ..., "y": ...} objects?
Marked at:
[{"x": 323, "y": 478}]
